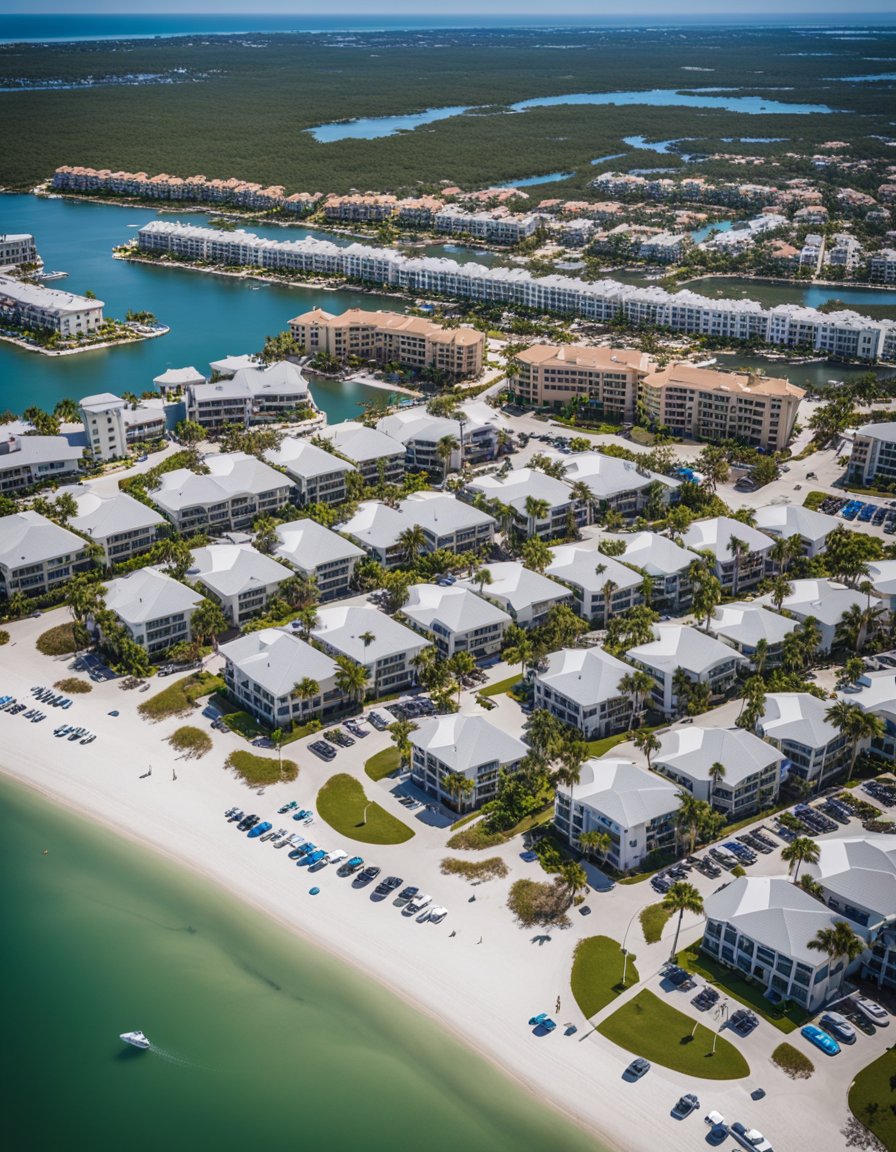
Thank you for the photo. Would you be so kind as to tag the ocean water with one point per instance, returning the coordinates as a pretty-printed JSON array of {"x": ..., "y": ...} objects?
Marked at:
[
  {"x": 256, "y": 1036},
  {"x": 209, "y": 316}
]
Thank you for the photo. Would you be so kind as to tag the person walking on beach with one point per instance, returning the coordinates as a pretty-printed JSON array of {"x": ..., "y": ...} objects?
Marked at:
[
  {"x": 173, "y": 774},
  {"x": 557, "y": 1009}
]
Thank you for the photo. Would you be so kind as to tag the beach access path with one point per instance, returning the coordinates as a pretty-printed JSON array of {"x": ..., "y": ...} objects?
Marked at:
[{"x": 482, "y": 983}]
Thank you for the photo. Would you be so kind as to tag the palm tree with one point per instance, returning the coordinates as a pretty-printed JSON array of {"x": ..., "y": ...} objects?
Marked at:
[
  {"x": 351, "y": 678},
  {"x": 400, "y": 732},
  {"x": 536, "y": 510},
  {"x": 572, "y": 757},
  {"x": 647, "y": 742},
  {"x": 522, "y": 653},
  {"x": 208, "y": 622},
  {"x": 760, "y": 656},
  {"x": 716, "y": 773},
  {"x": 688, "y": 816},
  {"x": 738, "y": 549},
  {"x": 839, "y": 942},
  {"x": 799, "y": 849},
  {"x": 412, "y": 541},
  {"x": 574, "y": 878},
  {"x": 855, "y": 724},
  {"x": 308, "y": 618},
  {"x": 445, "y": 449},
  {"x": 596, "y": 843},
  {"x": 306, "y": 689},
  {"x": 583, "y": 496},
  {"x": 781, "y": 589},
  {"x": 779, "y": 554},
  {"x": 459, "y": 787},
  {"x": 609, "y": 589},
  {"x": 682, "y": 897},
  {"x": 481, "y": 577},
  {"x": 635, "y": 684},
  {"x": 462, "y": 665}
]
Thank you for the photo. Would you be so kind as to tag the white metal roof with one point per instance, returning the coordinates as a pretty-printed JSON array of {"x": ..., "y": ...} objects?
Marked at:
[
  {"x": 305, "y": 460},
  {"x": 518, "y": 586},
  {"x": 456, "y": 609},
  {"x": 747, "y": 624},
  {"x": 149, "y": 594},
  {"x": 794, "y": 520},
  {"x": 797, "y": 716},
  {"x": 277, "y": 659},
  {"x": 692, "y": 750},
  {"x": 102, "y": 514},
  {"x": 464, "y": 743},
  {"x": 577, "y": 564},
  {"x": 29, "y": 538},
  {"x": 36, "y": 450},
  {"x": 626, "y": 794},
  {"x": 656, "y": 554},
  {"x": 515, "y": 487},
  {"x": 681, "y": 646},
  {"x": 587, "y": 676},
  {"x": 230, "y": 569},
  {"x": 715, "y": 535},
  {"x": 862, "y": 871},
  {"x": 230, "y": 474},
  {"x": 306, "y": 545},
  {"x": 342, "y": 626},
  {"x": 823, "y": 599},
  {"x": 443, "y": 514},
  {"x": 359, "y": 443}
]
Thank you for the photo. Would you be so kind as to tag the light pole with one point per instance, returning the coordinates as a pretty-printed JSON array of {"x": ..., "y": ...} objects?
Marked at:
[
  {"x": 366, "y": 806},
  {"x": 637, "y": 912}
]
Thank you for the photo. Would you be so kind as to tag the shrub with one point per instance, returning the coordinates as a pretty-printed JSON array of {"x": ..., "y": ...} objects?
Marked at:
[
  {"x": 74, "y": 686},
  {"x": 737, "y": 870},
  {"x": 535, "y": 902},
  {"x": 193, "y": 742},
  {"x": 59, "y": 641},
  {"x": 476, "y": 836},
  {"x": 4, "y": 637},
  {"x": 797, "y": 1065},
  {"x": 178, "y": 698},
  {"x": 478, "y": 870},
  {"x": 653, "y": 920},
  {"x": 261, "y": 769}
]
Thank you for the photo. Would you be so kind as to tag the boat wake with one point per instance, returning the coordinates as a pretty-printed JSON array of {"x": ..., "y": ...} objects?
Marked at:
[{"x": 171, "y": 1057}]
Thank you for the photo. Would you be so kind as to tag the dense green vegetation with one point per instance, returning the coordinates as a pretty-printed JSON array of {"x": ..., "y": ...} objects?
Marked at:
[
  {"x": 597, "y": 973},
  {"x": 178, "y": 698},
  {"x": 653, "y": 920},
  {"x": 193, "y": 742},
  {"x": 649, "y": 1027},
  {"x": 344, "y": 806},
  {"x": 58, "y": 641},
  {"x": 296, "y": 81},
  {"x": 872, "y": 1098},
  {"x": 796, "y": 1064},
  {"x": 261, "y": 769}
]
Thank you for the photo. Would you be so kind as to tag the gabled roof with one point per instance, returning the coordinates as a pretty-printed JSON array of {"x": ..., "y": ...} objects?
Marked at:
[
  {"x": 515, "y": 487},
  {"x": 774, "y": 912},
  {"x": 692, "y": 750},
  {"x": 464, "y": 743},
  {"x": 586, "y": 676},
  {"x": 455, "y": 608},
  {"x": 301, "y": 458},
  {"x": 577, "y": 564},
  {"x": 747, "y": 624},
  {"x": 230, "y": 569},
  {"x": 517, "y": 586},
  {"x": 101, "y": 514},
  {"x": 341, "y": 627},
  {"x": 797, "y": 716},
  {"x": 794, "y": 520},
  {"x": 359, "y": 443},
  {"x": 881, "y": 573},
  {"x": 277, "y": 660},
  {"x": 230, "y": 474},
  {"x": 306, "y": 545},
  {"x": 862, "y": 871},
  {"x": 825, "y": 600},
  {"x": 623, "y": 792},
  {"x": 714, "y": 535},
  {"x": 681, "y": 646},
  {"x": 149, "y": 594},
  {"x": 656, "y": 554},
  {"x": 29, "y": 538}
]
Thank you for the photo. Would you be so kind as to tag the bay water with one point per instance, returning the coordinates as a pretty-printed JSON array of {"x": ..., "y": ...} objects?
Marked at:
[{"x": 256, "y": 1036}]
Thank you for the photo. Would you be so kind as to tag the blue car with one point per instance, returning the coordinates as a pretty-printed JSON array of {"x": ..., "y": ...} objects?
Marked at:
[
  {"x": 315, "y": 857},
  {"x": 307, "y": 848},
  {"x": 264, "y": 826},
  {"x": 821, "y": 1039}
]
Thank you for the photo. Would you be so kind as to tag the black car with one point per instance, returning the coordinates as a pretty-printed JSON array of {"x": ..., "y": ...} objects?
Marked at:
[
  {"x": 248, "y": 822},
  {"x": 366, "y": 875},
  {"x": 406, "y": 895},
  {"x": 322, "y": 749},
  {"x": 743, "y": 1022},
  {"x": 637, "y": 1069},
  {"x": 385, "y": 887},
  {"x": 685, "y": 1105}
]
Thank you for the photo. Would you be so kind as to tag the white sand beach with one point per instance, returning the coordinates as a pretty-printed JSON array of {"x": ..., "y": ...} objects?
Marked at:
[{"x": 482, "y": 983}]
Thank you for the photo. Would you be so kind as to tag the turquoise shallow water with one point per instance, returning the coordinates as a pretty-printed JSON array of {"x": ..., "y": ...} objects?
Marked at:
[
  {"x": 259, "y": 1037},
  {"x": 210, "y": 316}
]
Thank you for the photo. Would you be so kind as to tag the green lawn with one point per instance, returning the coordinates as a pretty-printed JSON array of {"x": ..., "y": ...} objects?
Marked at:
[
  {"x": 178, "y": 698},
  {"x": 649, "y": 1027},
  {"x": 501, "y": 686},
  {"x": 653, "y": 920},
  {"x": 478, "y": 835},
  {"x": 750, "y": 994},
  {"x": 382, "y": 764},
  {"x": 342, "y": 804},
  {"x": 872, "y": 1098},
  {"x": 597, "y": 973}
]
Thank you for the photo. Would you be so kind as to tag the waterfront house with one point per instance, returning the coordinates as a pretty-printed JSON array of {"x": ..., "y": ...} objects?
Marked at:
[
  {"x": 262, "y": 671},
  {"x": 446, "y": 747},
  {"x": 154, "y": 609}
]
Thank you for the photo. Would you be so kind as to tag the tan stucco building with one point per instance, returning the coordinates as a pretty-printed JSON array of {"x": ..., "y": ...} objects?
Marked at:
[{"x": 606, "y": 379}]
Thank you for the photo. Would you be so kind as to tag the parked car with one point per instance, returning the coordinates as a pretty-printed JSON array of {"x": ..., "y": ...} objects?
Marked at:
[
  {"x": 872, "y": 1011},
  {"x": 418, "y": 903},
  {"x": 821, "y": 1039},
  {"x": 322, "y": 749},
  {"x": 839, "y": 1026},
  {"x": 351, "y": 866},
  {"x": 406, "y": 895},
  {"x": 385, "y": 887},
  {"x": 638, "y": 1068},
  {"x": 686, "y": 1105},
  {"x": 750, "y": 1138},
  {"x": 366, "y": 875}
]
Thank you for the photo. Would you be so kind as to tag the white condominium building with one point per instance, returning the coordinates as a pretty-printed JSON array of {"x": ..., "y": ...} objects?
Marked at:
[
  {"x": 122, "y": 526},
  {"x": 250, "y": 395},
  {"x": 873, "y": 457},
  {"x": 320, "y": 477},
  {"x": 17, "y": 248},
  {"x": 36, "y": 555},
  {"x": 456, "y": 620},
  {"x": 385, "y": 649},
  {"x": 34, "y": 461},
  {"x": 238, "y": 577},
  {"x": 751, "y": 767},
  {"x": 263, "y": 671},
  {"x": 33, "y": 306},
  {"x": 581, "y": 688},
  {"x": 318, "y": 554},
  {"x": 154, "y": 609},
  {"x": 445, "y": 747},
  {"x": 236, "y": 489}
]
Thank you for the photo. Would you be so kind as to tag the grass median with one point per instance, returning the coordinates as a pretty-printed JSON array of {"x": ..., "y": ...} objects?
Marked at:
[
  {"x": 597, "y": 973},
  {"x": 262, "y": 769},
  {"x": 872, "y": 1098},
  {"x": 382, "y": 764},
  {"x": 649, "y": 1027},
  {"x": 343, "y": 804}
]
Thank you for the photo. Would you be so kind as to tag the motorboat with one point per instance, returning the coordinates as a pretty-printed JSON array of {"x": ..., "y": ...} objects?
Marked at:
[{"x": 135, "y": 1039}]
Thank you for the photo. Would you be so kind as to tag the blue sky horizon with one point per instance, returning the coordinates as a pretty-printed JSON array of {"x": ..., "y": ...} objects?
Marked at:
[{"x": 528, "y": 11}]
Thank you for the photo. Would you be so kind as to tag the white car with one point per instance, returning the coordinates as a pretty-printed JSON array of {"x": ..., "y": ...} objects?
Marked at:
[
  {"x": 437, "y": 915},
  {"x": 750, "y": 1138},
  {"x": 872, "y": 1011},
  {"x": 838, "y": 1026},
  {"x": 418, "y": 904},
  {"x": 336, "y": 857}
]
